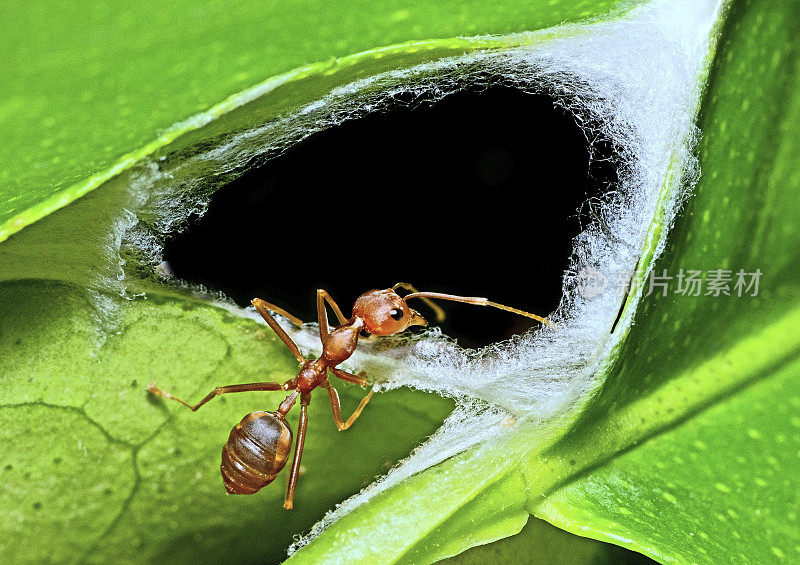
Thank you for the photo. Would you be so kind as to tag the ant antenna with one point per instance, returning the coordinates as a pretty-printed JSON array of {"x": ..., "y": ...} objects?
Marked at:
[
  {"x": 477, "y": 302},
  {"x": 437, "y": 310}
]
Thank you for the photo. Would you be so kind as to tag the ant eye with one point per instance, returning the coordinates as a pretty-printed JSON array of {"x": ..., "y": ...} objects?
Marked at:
[{"x": 397, "y": 314}]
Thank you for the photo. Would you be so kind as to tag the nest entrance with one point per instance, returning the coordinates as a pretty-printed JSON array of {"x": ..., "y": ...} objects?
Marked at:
[{"x": 477, "y": 194}]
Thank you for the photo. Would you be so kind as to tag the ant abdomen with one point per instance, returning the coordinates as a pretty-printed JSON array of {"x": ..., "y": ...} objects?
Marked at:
[{"x": 255, "y": 452}]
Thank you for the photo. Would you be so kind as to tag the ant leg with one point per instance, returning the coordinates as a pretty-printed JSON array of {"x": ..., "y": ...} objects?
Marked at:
[
  {"x": 262, "y": 309},
  {"x": 153, "y": 389},
  {"x": 437, "y": 310},
  {"x": 336, "y": 407},
  {"x": 322, "y": 315},
  {"x": 336, "y": 310},
  {"x": 349, "y": 377},
  {"x": 305, "y": 399},
  {"x": 291, "y": 317}
]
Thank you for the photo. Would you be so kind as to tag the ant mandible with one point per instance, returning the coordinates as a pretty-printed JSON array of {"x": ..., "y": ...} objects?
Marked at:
[{"x": 259, "y": 445}]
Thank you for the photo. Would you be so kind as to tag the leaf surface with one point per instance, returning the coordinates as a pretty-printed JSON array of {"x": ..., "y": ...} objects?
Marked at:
[
  {"x": 717, "y": 483},
  {"x": 94, "y": 469},
  {"x": 89, "y": 89}
]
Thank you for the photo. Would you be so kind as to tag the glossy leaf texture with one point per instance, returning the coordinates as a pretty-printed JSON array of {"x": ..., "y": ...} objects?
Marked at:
[
  {"x": 715, "y": 480},
  {"x": 89, "y": 89},
  {"x": 95, "y": 470},
  {"x": 540, "y": 543},
  {"x": 689, "y": 451}
]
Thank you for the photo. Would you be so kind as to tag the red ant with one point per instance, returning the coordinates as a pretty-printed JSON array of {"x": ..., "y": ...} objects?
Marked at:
[{"x": 259, "y": 445}]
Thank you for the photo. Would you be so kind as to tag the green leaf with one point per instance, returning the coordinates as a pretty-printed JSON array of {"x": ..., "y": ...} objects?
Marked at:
[
  {"x": 90, "y": 89},
  {"x": 715, "y": 479},
  {"x": 541, "y": 543},
  {"x": 719, "y": 486},
  {"x": 93, "y": 470}
]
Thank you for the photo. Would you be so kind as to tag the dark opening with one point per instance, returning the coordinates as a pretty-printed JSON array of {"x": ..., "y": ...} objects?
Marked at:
[{"x": 477, "y": 194}]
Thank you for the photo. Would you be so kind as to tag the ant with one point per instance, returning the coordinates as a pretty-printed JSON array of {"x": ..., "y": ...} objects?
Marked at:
[{"x": 259, "y": 445}]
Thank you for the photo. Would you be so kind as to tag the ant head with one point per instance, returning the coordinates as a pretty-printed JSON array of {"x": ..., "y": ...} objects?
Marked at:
[{"x": 385, "y": 312}]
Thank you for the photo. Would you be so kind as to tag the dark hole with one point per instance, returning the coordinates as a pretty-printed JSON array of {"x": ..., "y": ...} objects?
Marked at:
[{"x": 477, "y": 194}]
